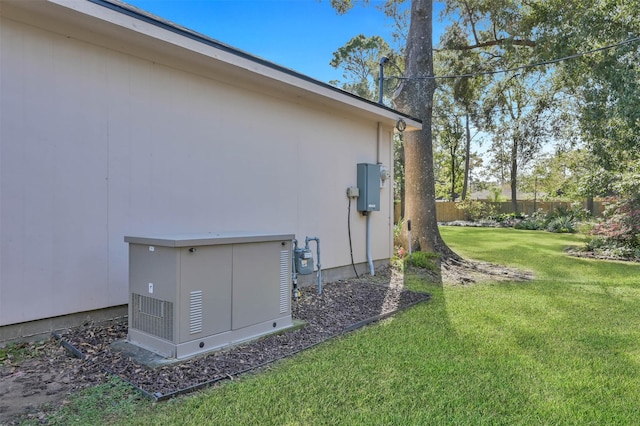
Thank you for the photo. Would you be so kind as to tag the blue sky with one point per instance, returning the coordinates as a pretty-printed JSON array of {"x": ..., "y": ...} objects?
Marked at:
[{"x": 298, "y": 34}]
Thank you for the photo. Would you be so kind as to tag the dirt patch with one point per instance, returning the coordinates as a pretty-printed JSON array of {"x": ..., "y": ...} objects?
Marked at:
[
  {"x": 465, "y": 272},
  {"x": 42, "y": 382},
  {"x": 462, "y": 272}
]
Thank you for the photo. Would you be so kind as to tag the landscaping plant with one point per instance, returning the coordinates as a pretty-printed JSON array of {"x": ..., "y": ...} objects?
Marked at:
[
  {"x": 562, "y": 220},
  {"x": 422, "y": 259},
  {"x": 618, "y": 234},
  {"x": 476, "y": 210}
]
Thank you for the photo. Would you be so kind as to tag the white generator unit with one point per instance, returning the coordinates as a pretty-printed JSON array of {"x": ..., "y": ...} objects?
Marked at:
[{"x": 195, "y": 293}]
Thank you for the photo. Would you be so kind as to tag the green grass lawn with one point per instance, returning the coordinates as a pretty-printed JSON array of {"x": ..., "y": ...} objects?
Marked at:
[{"x": 562, "y": 349}]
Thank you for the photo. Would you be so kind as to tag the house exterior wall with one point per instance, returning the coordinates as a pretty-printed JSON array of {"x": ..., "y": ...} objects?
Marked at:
[{"x": 97, "y": 143}]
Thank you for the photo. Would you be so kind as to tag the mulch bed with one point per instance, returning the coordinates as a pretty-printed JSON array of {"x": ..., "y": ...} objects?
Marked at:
[
  {"x": 577, "y": 252},
  {"x": 342, "y": 307}
]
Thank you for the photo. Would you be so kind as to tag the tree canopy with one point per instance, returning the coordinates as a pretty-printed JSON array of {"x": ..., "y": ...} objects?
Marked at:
[
  {"x": 584, "y": 53},
  {"x": 536, "y": 77}
]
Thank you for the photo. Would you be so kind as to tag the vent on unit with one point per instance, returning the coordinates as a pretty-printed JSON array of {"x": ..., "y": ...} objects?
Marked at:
[
  {"x": 285, "y": 277},
  {"x": 152, "y": 316},
  {"x": 196, "y": 293},
  {"x": 195, "y": 312}
]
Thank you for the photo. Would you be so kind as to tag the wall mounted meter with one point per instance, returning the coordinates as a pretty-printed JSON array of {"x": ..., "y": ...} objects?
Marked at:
[{"x": 304, "y": 261}]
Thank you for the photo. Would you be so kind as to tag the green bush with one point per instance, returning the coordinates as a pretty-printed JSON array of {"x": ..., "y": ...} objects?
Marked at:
[
  {"x": 397, "y": 233},
  {"x": 575, "y": 213},
  {"x": 604, "y": 246},
  {"x": 534, "y": 222},
  {"x": 506, "y": 217},
  {"x": 422, "y": 259},
  {"x": 476, "y": 210},
  {"x": 562, "y": 224},
  {"x": 562, "y": 220},
  {"x": 529, "y": 224},
  {"x": 585, "y": 227}
]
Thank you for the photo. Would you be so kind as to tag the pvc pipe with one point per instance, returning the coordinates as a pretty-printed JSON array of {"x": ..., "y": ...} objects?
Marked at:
[
  {"x": 369, "y": 257},
  {"x": 294, "y": 271},
  {"x": 306, "y": 245},
  {"x": 378, "y": 142}
]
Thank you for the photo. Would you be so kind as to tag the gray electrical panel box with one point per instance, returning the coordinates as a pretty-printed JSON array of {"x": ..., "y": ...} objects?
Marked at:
[
  {"x": 369, "y": 187},
  {"x": 190, "y": 294}
]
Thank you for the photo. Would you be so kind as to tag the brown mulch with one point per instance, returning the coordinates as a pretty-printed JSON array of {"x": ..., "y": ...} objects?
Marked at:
[{"x": 43, "y": 382}]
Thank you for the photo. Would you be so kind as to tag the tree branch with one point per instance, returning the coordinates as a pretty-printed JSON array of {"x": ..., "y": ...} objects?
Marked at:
[
  {"x": 471, "y": 21},
  {"x": 498, "y": 42}
]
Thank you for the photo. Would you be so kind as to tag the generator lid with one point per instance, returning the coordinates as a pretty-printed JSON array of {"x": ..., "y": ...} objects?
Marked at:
[{"x": 206, "y": 239}]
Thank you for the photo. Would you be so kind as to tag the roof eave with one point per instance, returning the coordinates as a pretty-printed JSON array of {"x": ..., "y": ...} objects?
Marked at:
[{"x": 299, "y": 85}]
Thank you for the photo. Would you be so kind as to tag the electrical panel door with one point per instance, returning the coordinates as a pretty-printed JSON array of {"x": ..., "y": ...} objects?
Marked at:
[{"x": 369, "y": 187}]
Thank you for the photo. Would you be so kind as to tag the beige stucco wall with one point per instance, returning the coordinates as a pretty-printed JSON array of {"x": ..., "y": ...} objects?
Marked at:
[{"x": 97, "y": 143}]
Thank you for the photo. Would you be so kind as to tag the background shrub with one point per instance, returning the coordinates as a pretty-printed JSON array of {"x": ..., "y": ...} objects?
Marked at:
[
  {"x": 529, "y": 224},
  {"x": 618, "y": 234},
  {"x": 561, "y": 224},
  {"x": 477, "y": 210}
]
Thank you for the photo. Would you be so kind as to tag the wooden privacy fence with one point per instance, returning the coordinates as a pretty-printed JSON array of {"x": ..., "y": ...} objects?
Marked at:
[{"x": 447, "y": 211}]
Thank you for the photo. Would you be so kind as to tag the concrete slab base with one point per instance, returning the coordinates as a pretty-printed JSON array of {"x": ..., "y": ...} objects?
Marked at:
[{"x": 152, "y": 360}]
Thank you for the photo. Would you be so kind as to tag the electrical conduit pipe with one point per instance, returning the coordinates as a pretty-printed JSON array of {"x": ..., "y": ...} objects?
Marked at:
[
  {"x": 372, "y": 271},
  {"x": 306, "y": 246},
  {"x": 294, "y": 272}
]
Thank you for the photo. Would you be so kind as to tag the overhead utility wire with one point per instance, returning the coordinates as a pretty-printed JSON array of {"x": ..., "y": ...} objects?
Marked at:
[{"x": 522, "y": 67}]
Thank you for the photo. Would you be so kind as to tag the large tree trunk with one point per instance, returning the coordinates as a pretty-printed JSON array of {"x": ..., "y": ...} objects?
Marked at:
[
  {"x": 415, "y": 97},
  {"x": 467, "y": 155},
  {"x": 514, "y": 176},
  {"x": 452, "y": 151}
]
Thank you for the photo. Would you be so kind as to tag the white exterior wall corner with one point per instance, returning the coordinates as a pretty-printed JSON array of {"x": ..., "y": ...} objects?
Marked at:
[{"x": 98, "y": 142}]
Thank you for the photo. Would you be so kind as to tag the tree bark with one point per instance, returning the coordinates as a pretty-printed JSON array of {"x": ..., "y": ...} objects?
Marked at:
[
  {"x": 452, "y": 151},
  {"x": 514, "y": 175},
  {"x": 415, "y": 97},
  {"x": 467, "y": 155},
  {"x": 590, "y": 205}
]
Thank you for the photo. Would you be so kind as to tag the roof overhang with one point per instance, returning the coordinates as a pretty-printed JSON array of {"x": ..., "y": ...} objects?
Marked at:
[{"x": 122, "y": 27}]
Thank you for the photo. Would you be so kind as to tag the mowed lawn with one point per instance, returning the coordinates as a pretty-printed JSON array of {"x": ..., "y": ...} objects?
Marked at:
[{"x": 563, "y": 349}]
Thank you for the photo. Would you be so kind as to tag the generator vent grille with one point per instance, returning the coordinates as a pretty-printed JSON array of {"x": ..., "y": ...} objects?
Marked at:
[
  {"x": 152, "y": 316},
  {"x": 285, "y": 262},
  {"x": 195, "y": 312}
]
